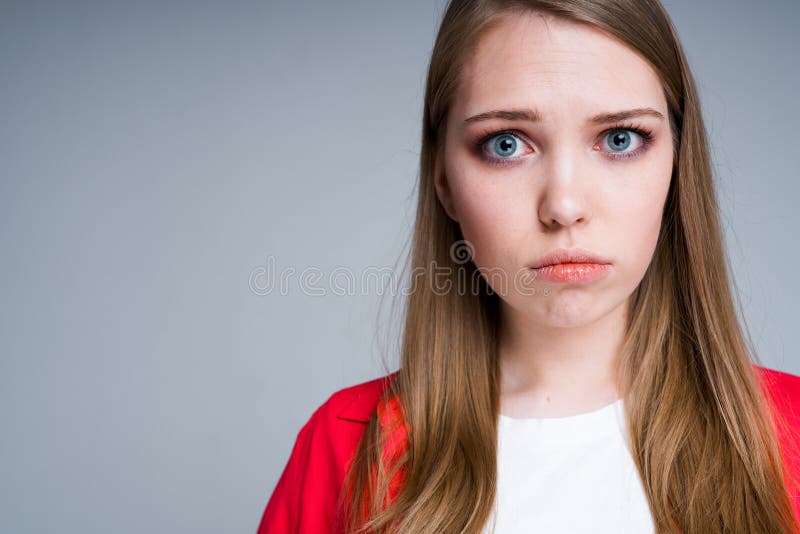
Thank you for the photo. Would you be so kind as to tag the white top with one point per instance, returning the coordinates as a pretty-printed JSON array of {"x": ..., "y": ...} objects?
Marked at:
[{"x": 570, "y": 475}]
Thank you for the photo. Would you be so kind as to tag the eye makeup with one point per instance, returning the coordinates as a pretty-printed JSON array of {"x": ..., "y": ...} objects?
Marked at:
[
  {"x": 644, "y": 134},
  {"x": 480, "y": 148}
]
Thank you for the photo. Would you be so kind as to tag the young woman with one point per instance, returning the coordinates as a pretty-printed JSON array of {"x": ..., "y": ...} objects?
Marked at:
[{"x": 592, "y": 374}]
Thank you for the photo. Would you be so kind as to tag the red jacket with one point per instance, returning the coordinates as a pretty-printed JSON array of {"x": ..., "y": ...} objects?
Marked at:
[{"x": 305, "y": 498}]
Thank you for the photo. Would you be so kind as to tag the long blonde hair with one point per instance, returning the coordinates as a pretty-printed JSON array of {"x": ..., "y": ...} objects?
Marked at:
[{"x": 701, "y": 436}]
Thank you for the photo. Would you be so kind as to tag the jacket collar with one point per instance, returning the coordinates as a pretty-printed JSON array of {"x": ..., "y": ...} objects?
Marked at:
[{"x": 363, "y": 403}]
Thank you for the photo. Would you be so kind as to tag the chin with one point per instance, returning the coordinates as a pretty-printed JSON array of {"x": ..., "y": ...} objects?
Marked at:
[{"x": 565, "y": 307}]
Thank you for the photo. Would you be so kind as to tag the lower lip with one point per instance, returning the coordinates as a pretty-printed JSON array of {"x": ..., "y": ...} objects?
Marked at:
[{"x": 572, "y": 272}]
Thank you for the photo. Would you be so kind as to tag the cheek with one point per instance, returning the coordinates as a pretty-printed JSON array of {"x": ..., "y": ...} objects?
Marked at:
[
  {"x": 637, "y": 214},
  {"x": 494, "y": 215}
]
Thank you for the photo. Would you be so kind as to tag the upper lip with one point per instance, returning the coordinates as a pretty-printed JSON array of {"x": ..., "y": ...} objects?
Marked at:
[{"x": 568, "y": 255}]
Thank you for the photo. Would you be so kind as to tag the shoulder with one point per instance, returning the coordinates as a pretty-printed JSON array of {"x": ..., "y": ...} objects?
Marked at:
[
  {"x": 783, "y": 395},
  {"x": 339, "y": 422},
  {"x": 355, "y": 403},
  {"x": 334, "y": 429},
  {"x": 783, "y": 389},
  {"x": 315, "y": 472}
]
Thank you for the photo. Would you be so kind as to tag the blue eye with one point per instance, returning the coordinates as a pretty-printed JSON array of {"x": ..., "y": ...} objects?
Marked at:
[
  {"x": 505, "y": 145},
  {"x": 502, "y": 148},
  {"x": 619, "y": 140}
]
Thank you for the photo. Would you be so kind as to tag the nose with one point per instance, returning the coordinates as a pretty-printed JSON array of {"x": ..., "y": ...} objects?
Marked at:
[{"x": 564, "y": 200}]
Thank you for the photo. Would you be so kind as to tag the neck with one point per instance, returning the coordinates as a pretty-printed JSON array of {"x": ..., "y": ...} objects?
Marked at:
[{"x": 552, "y": 371}]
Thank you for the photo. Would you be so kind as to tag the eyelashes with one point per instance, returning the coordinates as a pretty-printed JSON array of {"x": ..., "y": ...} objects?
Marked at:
[{"x": 627, "y": 134}]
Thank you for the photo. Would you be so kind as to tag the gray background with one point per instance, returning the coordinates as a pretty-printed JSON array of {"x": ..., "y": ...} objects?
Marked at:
[{"x": 154, "y": 155}]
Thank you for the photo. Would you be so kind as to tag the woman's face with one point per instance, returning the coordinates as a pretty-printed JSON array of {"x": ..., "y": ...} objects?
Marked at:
[{"x": 560, "y": 171}]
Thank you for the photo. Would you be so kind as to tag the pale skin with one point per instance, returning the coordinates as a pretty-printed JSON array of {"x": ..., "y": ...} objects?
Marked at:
[{"x": 561, "y": 182}]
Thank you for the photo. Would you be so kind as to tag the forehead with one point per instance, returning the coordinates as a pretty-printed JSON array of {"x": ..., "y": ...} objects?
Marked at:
[{"x": 556, "y": 66}]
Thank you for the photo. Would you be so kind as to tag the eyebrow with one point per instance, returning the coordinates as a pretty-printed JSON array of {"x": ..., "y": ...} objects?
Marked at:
[{"x": 534, "y": 116}]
